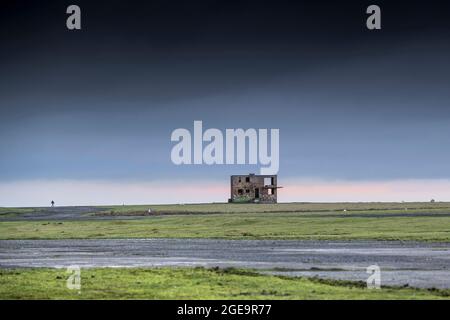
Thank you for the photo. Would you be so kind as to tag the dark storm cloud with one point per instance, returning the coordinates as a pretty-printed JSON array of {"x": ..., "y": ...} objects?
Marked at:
[
  {"x": 177, "y": 50},
  {"x": 101, "y": 102}
]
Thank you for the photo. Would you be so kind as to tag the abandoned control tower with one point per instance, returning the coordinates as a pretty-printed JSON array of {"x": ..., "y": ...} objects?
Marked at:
[{"x": 253, "y": 188}]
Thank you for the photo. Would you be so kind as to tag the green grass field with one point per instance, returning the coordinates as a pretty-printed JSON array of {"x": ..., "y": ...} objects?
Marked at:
[
  {"x": 315, "y": 221},
  {"x": 274, "y": 208},
  {"x": 189, "y": 283},
  {"x": 11, "y": 212},
  {"x": 240, "y": 226},
  {"x": 287, "y": 221},
  {"x": 269, "y": 226},
  {"x": 296, "y": 207}
]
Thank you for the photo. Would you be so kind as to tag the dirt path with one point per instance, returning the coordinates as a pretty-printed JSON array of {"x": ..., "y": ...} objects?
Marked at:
[{"x": 401, "y": 263}]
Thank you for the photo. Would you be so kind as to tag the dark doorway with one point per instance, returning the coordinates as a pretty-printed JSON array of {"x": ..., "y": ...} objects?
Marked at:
[{"x": 256, "y": 193}]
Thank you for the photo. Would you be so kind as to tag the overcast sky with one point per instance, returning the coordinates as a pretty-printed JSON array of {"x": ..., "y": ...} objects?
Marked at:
[{"x": 89, "y": 110}]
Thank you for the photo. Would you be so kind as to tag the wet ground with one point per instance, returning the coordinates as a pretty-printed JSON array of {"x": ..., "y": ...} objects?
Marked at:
[{"x": 401, "y": 263}]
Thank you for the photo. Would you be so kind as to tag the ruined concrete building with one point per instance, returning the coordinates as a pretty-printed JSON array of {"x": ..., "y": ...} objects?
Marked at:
[{"x": 254, "y": 188}]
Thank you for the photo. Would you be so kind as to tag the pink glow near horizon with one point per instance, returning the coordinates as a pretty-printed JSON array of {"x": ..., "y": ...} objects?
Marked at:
[
  {"x": 396, "y": 190},
  {"x": 67, "y": 192}
]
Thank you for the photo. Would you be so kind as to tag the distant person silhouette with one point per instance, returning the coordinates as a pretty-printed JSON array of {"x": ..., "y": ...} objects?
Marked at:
[{"x": 53, "y": 203}]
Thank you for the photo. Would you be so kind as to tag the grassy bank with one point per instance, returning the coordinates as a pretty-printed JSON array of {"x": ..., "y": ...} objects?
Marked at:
[
  {"x": 188, "y": 283},
  {"x": 317, "y": 226},
  {"x": 12, "y": 212},
  {"x": 275, "y": 208},
  {"x": 211, "y": 208}
]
